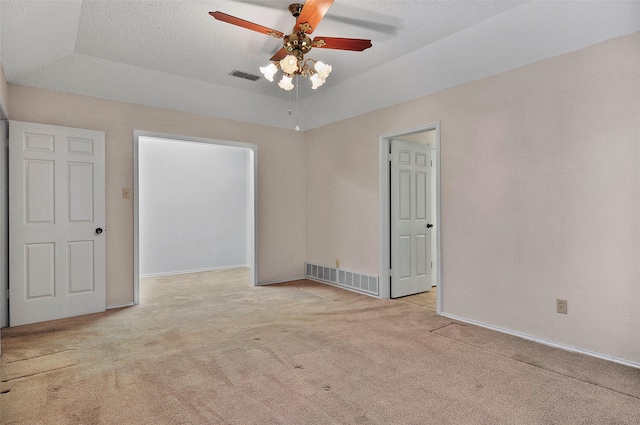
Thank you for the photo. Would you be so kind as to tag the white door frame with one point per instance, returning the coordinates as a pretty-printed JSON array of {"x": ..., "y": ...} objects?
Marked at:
[
  {"x": 4, "y": 221},
  {"x": 384, "y": 205},
  {"x": 253, "y": 230}
]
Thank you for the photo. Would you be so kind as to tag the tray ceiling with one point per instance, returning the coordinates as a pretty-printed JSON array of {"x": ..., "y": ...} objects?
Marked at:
[{"x": 172, "y": 54}]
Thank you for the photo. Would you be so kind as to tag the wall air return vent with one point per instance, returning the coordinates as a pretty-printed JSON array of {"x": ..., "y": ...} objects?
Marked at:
[
  {"x": 244, "y": 75},
  {"x": 343, "y": 278}
]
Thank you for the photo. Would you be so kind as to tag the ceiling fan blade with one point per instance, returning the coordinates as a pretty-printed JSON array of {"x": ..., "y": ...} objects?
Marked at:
[
  {"x": 280, "y": 54},
  {"x": 355, "y": 44},
  {"x": 220, "y": 16},
  {"x": 312, "y": 13},
  {"x": 376, "y": 22}
]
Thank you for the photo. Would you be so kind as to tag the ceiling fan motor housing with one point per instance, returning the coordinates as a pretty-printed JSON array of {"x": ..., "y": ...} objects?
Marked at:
[{"x": 297, "y": 44}]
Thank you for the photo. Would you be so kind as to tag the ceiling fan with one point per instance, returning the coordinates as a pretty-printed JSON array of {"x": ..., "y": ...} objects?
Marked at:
[{"x": 290, "y": 58}]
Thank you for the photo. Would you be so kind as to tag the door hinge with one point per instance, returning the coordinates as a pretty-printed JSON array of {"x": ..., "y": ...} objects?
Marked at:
[
  {"x": 390, "y": 272},
  {"x": 390, "y": 157},
  {"x": 7, "y": 293},
  {"x": 432, "y": 162},
  {"x": 432, "y": 264}
]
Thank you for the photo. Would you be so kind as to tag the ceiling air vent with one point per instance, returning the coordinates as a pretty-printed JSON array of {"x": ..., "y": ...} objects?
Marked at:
[{"x": 244, "y": 75}]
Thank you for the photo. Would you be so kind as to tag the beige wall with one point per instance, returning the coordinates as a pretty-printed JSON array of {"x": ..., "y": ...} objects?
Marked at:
[
  {"x": 540, "y": 196},
  {"x": 281, "y": 175},
  {"x": 540, "y": 191}
]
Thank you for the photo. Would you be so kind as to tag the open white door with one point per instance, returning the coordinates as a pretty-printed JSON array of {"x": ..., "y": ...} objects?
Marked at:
[
  {"x": 411, "y": 226},
  {"x": 56, "y": 220}
]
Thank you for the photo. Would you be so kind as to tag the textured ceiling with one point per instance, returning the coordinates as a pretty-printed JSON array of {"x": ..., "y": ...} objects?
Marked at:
[{"x": 172, "y": 54}]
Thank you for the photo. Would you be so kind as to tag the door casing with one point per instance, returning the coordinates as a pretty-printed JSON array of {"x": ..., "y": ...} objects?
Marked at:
[
  {"x": 4, "y": 222},
  {"x": 384, "y": 206}
]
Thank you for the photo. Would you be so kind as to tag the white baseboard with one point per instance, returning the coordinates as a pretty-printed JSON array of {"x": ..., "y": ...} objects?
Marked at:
[
  {"x": 211, "y": 269},
  {"x": 271, "y": 282},
  {"x": 324, "y": 282},
  {"x": 549, "y": 343},
  {"x": 109, "y": 307}
]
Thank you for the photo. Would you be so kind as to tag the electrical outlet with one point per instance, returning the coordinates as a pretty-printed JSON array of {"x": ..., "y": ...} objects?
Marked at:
[
  {"x": 561, "y": 306},
  {"x": 337, "y": 263}
]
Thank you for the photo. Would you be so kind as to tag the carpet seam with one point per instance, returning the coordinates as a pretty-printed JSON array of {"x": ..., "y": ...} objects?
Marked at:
[
  {"x": 37, "y": 357},
  {"x": 442, "y": 327},
  {"x": 533, "y": 365},
  {"x": 38, "y": 373},
  {"x": 420, "y": 305}
]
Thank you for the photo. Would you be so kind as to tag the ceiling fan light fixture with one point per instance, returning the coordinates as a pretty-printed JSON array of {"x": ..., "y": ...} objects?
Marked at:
[
  {"x": 286, "y": 83},
  {"x": 289, "y": 64},
  {"x": 269, "y": 71},
  {"x": 316, "y": 81},
  {"x": 290, "y": 58},
  {"x": 322, "y": 69}
]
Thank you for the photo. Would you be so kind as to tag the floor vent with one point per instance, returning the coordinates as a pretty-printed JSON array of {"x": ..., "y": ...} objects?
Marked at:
[
  {"x": 244, "y": 75},
  {"x": 343, "y": 278}
]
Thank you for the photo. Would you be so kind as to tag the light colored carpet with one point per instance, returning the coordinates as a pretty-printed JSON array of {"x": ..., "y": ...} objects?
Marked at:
[{"x": 208, "y": 348}]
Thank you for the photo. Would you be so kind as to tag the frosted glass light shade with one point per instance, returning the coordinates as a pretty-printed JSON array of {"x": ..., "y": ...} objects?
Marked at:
[
  {"x": 322, "y": 69},
  {"x": 286, "y": 83},
  {"x": 289, "y": 64},
  {"x": 316, "y": 81},
  {"x": 269, "y": 71}
]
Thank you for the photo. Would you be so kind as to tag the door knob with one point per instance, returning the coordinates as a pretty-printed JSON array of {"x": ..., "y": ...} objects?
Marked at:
[
  {"x": 98, "y": 231},
  {"x": 429, "y": 226}
]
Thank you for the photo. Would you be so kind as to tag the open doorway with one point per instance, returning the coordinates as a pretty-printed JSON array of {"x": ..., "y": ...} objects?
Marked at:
[
  {"x": 423, "y": 144},
  {"x": 194, "y": 206}
]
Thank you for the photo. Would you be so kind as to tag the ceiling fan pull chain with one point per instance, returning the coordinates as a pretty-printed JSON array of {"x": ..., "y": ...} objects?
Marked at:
[{"x": 297, "y": 106}]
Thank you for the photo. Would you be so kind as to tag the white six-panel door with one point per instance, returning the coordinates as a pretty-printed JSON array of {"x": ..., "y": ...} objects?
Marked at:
[
  {"x": 56, "y": 222},
  {"x": 411, "y": 225}
]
